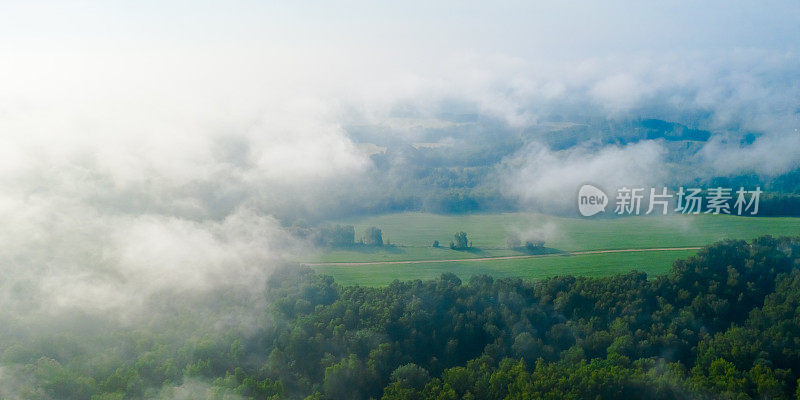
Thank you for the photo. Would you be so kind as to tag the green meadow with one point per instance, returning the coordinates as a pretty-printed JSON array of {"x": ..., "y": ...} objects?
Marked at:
[{"x": 411, "y": 236}]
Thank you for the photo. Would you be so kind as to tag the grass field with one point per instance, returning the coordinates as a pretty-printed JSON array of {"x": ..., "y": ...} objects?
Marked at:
[
  {"x": 531, "y": 268},
  {"x": 413, "y": 233}
]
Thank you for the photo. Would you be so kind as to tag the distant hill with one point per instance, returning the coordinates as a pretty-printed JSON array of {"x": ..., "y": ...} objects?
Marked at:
[{"x": 603, "y": 132}]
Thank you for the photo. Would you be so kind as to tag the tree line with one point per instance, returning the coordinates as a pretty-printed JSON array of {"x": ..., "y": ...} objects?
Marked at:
[
  {"x": 340, "y": 235},
  {"x": 721, "y": 324}
]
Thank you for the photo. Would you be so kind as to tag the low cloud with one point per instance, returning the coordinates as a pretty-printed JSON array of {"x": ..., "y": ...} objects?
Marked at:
[
  {"x": 132, "y": 167},
  {"x": 548, "y": 180},
  {"x": 769, "y": 155},
  {"x": 192, "y": 389},
  {"x": 109, "y": 200}
]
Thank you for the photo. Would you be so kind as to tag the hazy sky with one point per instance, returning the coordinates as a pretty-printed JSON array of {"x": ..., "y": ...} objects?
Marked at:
[
  {"x": 525, "y": 29},
  {"x": 368, "y": 55}
]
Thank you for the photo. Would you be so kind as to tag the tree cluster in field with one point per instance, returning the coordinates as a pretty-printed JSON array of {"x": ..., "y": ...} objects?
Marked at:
[
  {"x": 341, "y": 236},
  {"x": 721, "y": 324},
  {"x": 460, "y": 242},
  {"x": 534, "y": 245}
]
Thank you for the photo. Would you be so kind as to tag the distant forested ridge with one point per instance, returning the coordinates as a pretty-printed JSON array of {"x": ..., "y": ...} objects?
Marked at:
[
  {"x": 722, "y": 324},
  {"x": 462, "y": 176},
  {"x": 474, "y": 166}
]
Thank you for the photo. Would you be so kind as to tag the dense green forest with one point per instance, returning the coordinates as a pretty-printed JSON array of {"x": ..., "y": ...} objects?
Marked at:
[{"x": 722, "y": 324}]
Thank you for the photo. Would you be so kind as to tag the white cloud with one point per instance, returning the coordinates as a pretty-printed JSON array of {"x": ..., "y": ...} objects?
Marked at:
[
  {"x": 768, "y": 156},
  {"x": 549, "y": 180},
  {"x": 122, "y": 151}
]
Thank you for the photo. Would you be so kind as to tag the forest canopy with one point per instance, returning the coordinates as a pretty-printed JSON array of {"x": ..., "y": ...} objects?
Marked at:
[{"x": 721, "y": 324}]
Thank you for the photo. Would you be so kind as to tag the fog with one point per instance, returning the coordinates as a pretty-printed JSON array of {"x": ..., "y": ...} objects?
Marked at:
[
  {"x": 153, "y": 149},
  {"x": 148, "y": 151},
  {"x": 550, "y": 180}
]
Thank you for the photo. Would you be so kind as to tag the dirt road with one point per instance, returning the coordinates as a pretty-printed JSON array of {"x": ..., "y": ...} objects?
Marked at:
[{"x": 570, "y": 253}]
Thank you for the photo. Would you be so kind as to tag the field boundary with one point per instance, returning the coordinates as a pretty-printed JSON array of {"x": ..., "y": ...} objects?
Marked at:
[{"x": 564, "y": 254}]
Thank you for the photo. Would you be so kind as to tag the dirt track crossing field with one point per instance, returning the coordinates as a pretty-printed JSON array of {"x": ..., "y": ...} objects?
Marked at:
[{"x": 571, "y": 253}]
